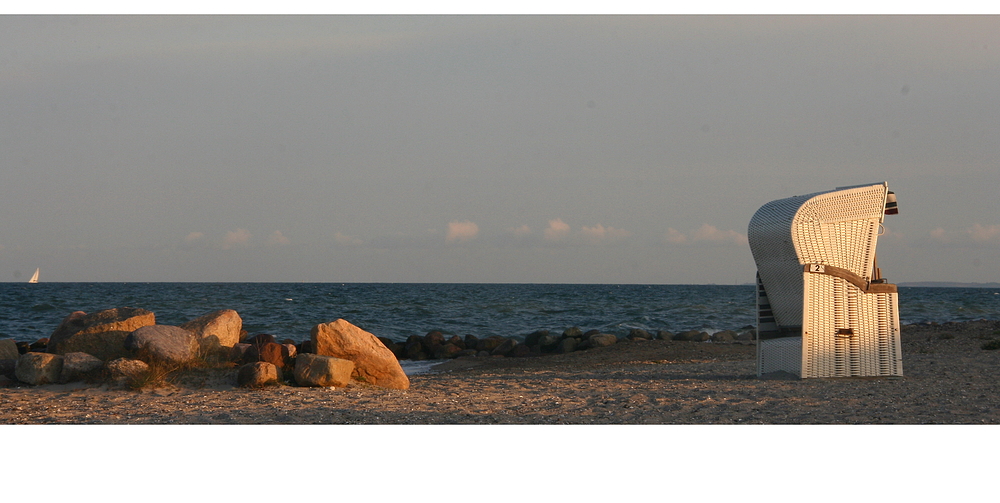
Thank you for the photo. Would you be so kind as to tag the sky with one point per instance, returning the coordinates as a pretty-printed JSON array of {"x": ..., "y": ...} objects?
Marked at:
[{"x": 522, "y": 149}]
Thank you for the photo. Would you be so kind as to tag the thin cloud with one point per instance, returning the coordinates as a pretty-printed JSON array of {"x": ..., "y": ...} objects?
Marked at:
[
  {"x": 675, "y": 236},
  {"x": 239, "y": 237},
  {"x": 277, "y": 239},
  {"x": 521, "y": 231},
  {"x": 556, "y": 230},
  {"x": 706, "y": 234},
  {"x": 194, "y": 236},
  {"x": 602, "y": 233},
  {"x": 461, "y": 231},
  {"x": 344, "y": 239},
  {"x": 983, "y": 233}
]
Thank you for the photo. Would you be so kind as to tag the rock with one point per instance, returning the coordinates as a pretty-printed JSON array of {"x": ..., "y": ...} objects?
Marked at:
[
  {"x": 576, "y": 332},
  {"x": 6, "y": 382},
  {"x": 520, "y": 350},
  {"x": 217, "y": 330},
  {"x": 79, "y": 366},
  {"x": 318, "y": 370},
  {"x": 588, "y": 333},
  {"x": 471, "y": 341},
  {"x": 8, "y": 365},
  {"x": 163, "y": 343},
  {"x": 567, "y": 345},
  {"x": 271, "y": 352},
  {"x": 490, "y": 343},
  {"x": 534, "y": 338},
  {"x": 433, "y": 338},
  {"x": 701, "y": 337},
  {"x": 686, "y": 336},
  {"x": 664, "y": 335},
  {"x": 239, "y": 351},
  {"x": 305, "y": 347},
  {"x": 504, "y": 348},
  {"x": 456, "y": 340},
  {"x": 290, "y": 350},
  {"x": 373, "y": 363},
  {"x": 124, "y": 369},
  {"x": 38, "y": 368},
  {"x": 256, "y": 375},
  {"x": 747, "y": 336},
  {"x": 101, "y": 334},
  {"x": 40, "y": 346},
  {"x": 724, "y": 336},
  {"x": 551, "y": 343},
  {"x": 8, "y": 350},
  {"x": 447, "y": 350},
  {"x": 602, "y": 340},
  {"x": 481, "y": 354},
  {"x": 415, "y": 351},
  {"x": 23, "y": 347},
  {"x": 638, "y": 333},
  {"x": 467, "y": 352},
  {"x": 261, "y": 339}
]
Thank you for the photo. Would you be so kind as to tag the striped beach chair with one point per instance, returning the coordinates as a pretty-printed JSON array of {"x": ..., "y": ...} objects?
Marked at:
[{"x": 823, "y": 308}]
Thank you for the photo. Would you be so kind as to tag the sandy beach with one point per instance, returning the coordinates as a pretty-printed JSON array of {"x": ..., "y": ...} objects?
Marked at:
[{"x": 949, "y": 379}]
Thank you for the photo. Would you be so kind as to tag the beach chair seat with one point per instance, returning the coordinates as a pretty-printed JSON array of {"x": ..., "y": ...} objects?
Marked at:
[{"x": 823, "y": 308}]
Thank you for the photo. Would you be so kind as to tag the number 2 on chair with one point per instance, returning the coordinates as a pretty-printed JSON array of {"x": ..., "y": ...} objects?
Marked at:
[{"x": 820, "y": 268}]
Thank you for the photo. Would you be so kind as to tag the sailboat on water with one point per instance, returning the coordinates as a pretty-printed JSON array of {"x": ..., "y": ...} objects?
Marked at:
[{"x": 34, "y": 277}]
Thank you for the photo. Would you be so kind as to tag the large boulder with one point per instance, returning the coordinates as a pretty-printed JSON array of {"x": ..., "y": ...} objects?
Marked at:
[
  {"x": 373, "y": 362},
  {"x": 216, "y": 330},
  {"x": 318, "y": 370},
  {"x": 101, "y": 334},
  {"x": 8, "y": 350},
  {"x": 256, "y": 375},
  {"x": 38, "y": 368},
  {"x": 271, "y": 352},
  {"x": 79, "y": 366},
  {"x": 163, "y": 343}
]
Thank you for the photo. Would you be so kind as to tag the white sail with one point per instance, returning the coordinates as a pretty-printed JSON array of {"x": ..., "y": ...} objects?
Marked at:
[{"x": 34, "y": 277}]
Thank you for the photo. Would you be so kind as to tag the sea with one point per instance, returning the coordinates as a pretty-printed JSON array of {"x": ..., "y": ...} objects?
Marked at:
[{"x": 29, "y": 312}]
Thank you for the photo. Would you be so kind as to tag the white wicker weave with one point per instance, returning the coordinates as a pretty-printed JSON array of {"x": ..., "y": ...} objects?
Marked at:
[{"x": 815, "y": 259}]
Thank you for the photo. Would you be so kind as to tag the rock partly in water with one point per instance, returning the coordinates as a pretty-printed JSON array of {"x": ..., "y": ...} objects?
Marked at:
[
  {"x": 725, "y": 336},
  {"x": 79, "y": 367},
  {"x": 38, "y": 368},
  {"x": 447, "y": 350},
  {"x": 567, "y": 345},
  {"x": 490, "y": 343},
  {"x": 8, "y": 350},
  {"x": 504, "y": 348},
  {"x": 576, "y": 332},
  {"x": 601, "y": 340},
  {"x": 101, "y": 334},
  {"x": 663, "y": 335},
  {"x": 639, "y": 334},
  {"x": 216, "y": 331},
  {"x": 373, "y": 362},
  {"x": 256, "y": 375},
  {"x": 318, "y": 370},
  {"x": 163, "y": 343}
]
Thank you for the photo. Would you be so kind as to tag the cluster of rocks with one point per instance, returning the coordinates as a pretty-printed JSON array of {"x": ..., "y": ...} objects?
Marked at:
[
  {"x": 123, "y": 345},
  {"x": 436, "y": 346}
]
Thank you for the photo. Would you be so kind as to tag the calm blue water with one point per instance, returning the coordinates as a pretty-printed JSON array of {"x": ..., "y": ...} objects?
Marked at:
[{"x": 396, "y": 311}]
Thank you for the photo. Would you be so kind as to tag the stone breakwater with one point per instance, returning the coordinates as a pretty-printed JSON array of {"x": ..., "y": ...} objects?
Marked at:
[{"x": 124, "y": 347}]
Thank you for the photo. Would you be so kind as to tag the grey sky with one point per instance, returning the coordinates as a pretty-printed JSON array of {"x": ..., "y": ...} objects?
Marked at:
[{"x": 484, "y": 148}]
